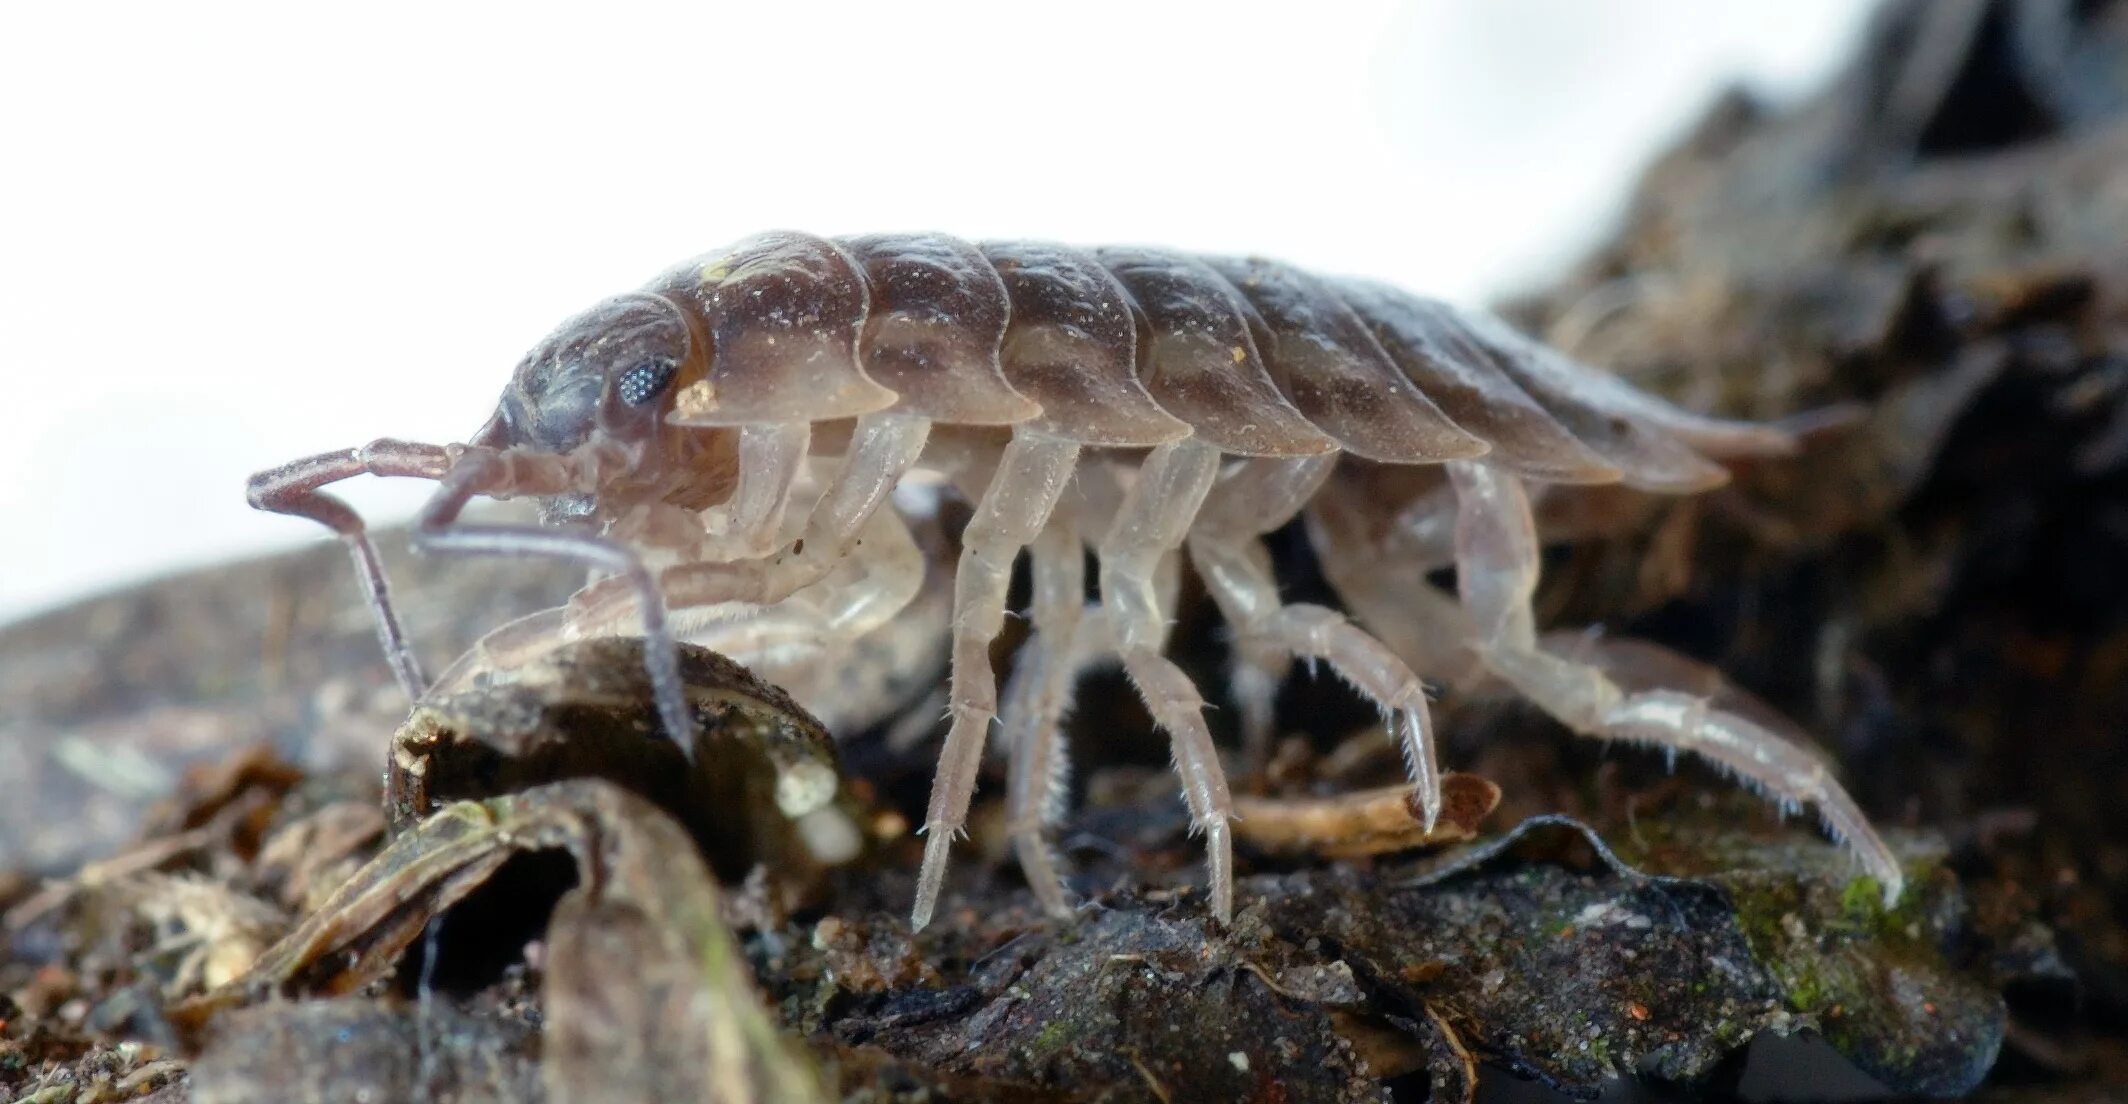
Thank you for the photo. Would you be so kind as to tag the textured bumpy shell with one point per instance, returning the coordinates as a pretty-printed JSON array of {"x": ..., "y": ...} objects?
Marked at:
[{"x": 1133, "y": 347}]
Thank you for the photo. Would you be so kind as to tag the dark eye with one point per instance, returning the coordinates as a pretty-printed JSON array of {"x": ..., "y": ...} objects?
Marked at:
[{"x": 642, "y": 383}]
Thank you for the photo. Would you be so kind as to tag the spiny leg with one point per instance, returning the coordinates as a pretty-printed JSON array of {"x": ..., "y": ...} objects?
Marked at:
[
  {"x": 1379, "y": 578},
  {"x": 1036, "y": 699},
  {"x": 1259, "y": 496},
  {"x": 1013, "y": 509},
  {"x": 650, "y": 526},
  {"x": 1496, "y": 570},
  {"x": 1256, "y": 665},
  {"x": 1045, "y": 674},
  {"x": 882, "y": 450},
  {"x": 296, "y": 488},
  {"x": 1154, "y": 517},
  {"x": 1635, "y": 664}
]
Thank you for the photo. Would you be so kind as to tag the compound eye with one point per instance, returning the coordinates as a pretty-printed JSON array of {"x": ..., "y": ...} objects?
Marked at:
[{"x": 646, "y": 381}]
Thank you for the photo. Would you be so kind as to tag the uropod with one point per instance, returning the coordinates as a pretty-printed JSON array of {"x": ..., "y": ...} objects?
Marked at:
[{"x": 720, "y": 449}]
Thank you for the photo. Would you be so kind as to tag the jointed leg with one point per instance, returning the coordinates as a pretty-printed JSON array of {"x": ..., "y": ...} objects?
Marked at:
[
  {"x": 1496, "y": 570},
  {"x": 883, "y": 449},
  {"x": 1386, "y": 587},
  {"x": 1261, "y": 496},
  {"x": 1253, "y": 679},
  {"x": 770, "y": 457},
  {"x": 875, "y": 582},
  {"x": 785, "y": 643},
  {"x": 1013, "y": 510},
  {"x": 1036, "y": 698},
  {"x": 1153, "y": 519},
  {"x": 1047, "y": 670}
]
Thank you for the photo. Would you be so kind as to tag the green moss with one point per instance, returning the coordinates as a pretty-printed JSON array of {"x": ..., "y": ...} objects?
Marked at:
[
  {"x": 1054, "y": 1036},
  {"x": 1805, "y": 992},
  {"x": 1834, "y": 949},
  {"x": 1862, "y": 900}
]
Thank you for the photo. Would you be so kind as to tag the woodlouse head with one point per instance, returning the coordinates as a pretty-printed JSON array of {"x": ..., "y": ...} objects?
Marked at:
[
  {"x": 607, "y": 373},
  {"x": 602, "y": 386}
]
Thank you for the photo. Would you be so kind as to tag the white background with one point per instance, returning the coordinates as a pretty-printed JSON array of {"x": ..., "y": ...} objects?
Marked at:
[{"x": 235, "y": 234}]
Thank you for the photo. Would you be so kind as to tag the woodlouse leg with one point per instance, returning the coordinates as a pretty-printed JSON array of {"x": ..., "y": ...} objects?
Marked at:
[
  {"x": 296, "y": 488},
  {"x": 880, "y": 578},
  {"x": 1038, "y": 696},
  {"x": 485, "y": 470},
  {"x": 1425, "y": 530},
  {"x": 1255, "y": 670},
  {"x": 1253, "y": 679},
  {"x": 1012, "y": 511},
  {"x": 1496, "y": 570},
  {"x": 882, "y": 450},
  {"x": 1383, "y": 580},
  {"x": 1259, "y": 496},
  {"x": 770, "y": 458},
  {"x": 1151, "y": 522},
  {"x": 884, "y": 577},
  {"x": 1036, "y": 699}
]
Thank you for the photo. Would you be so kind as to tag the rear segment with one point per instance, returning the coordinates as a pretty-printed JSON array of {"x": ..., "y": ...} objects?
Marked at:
[
  {"x": 1631, "y": 431},
  {"x": 1461, "y": 378}
]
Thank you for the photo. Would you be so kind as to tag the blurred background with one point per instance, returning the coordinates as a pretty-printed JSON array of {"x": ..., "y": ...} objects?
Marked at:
[{"x": 238, "y": 234}]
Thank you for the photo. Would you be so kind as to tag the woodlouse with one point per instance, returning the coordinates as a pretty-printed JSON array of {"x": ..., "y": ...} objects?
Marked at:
[{"x": 1193, "y": 404}]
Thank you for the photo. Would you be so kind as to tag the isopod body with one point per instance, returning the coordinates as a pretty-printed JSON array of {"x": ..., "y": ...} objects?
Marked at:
[{"x": 1152, "y": 405}]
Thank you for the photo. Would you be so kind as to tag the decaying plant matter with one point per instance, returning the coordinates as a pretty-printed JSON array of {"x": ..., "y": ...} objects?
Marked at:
[
  {"x": 760, "y": 786},
  {"x": 645, "y": 995}
]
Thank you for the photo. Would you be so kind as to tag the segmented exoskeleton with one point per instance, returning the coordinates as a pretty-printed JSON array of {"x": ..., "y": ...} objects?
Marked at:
[{"x": 1152, "y": 404}]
